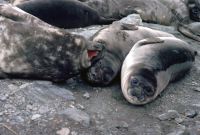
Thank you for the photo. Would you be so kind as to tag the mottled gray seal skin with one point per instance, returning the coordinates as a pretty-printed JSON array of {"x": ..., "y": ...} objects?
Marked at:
[
  {"x": 151, "y": 65},
  {"x": 63, "y": 13},
  {"x": 117, "y": 40},
  {"x": 30, "y": 48}
]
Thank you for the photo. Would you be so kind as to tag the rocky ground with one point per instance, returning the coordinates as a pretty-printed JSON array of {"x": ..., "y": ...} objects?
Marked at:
[{"x": 74, "y": 108}]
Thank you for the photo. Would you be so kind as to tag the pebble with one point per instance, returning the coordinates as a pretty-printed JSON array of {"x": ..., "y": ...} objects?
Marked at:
[
  {"x": 3, "y": 97},
  {"x": 170, "y": 114},
  {"x": 123, "y": 124},
  {"x": 12, "y": 87},
  {"x": 35, "y": 116},
  {"x": 86, "y": 95},
  {"x": 191, "y": 113},
  {"x": 1, "y": 113},
  {"x": 74, "y": 133},
  {"x": 63, "y": 131},
  {"x": 179, "y": 120},
  {"x": 77, "y": 115},
  {"x": 197, "y": 89},
  {"x": 79, "y": 106},
  {"x": 179, "y": 131},
  {"x": 134, "y": 19}
]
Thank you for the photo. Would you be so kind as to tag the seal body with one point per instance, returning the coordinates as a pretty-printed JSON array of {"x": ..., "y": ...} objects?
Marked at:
[
  {"x": 117, "y": 40},
  {"x": 63, "y": 13},
  {"x": 33, "y": 49},
  {"x": 151, "y": 65}
]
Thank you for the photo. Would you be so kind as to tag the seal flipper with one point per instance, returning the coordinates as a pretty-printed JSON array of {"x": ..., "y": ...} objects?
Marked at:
[
  {"x": 148, "y": 41},
  {"x": 104, "y": 21},
  {"x": 188, "y": 33}
]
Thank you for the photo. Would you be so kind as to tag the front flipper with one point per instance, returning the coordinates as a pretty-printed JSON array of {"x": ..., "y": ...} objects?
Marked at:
[
  {"x": 146, "y": 41},
  {"x": 189, "y": 32}
]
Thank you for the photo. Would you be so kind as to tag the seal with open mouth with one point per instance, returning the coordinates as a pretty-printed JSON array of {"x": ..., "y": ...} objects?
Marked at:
[
  {"x": 151, "y": 65},
  {"x": 117, "y": 39}
]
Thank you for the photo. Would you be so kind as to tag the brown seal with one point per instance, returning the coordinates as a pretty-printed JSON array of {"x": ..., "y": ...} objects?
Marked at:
[
  {"x": 151, "y": 65},
  {"x": 30, "y": 48}
]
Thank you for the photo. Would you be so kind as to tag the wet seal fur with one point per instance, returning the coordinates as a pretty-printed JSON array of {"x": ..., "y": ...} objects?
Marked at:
[
  {"x": 151, "y": 65},
  {"x": 63, "y": 13},
  {"x": 117, "y": 39},
  {"x": 30, "y": 48}
]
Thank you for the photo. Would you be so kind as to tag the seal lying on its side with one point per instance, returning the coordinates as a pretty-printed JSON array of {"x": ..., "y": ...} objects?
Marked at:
[
  {"x": 33, "y": 49},
  {"x": 63, "y": 13},
  {"x": 151, "y": 65},
  {"x": 117, "y": 39}
]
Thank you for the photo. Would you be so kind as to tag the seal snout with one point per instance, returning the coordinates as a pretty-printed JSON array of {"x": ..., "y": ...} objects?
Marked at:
[{"x": 139, "y": 89}]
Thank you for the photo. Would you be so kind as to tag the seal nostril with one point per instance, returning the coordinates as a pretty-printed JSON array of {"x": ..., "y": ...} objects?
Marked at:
[
  {"x": 137, "y": 92},
  {"x": 148, "y": 91},
  {"x": 134, "y": 81}
]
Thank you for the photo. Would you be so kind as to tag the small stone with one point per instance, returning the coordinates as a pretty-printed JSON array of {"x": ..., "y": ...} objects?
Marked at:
[
  {"x": 63, "y": 131},
  {"x": 74, "y": 133},
  {"x": 134, "y": 19},
  {"x": 43, "y": 109},
  {"x": 122, "y": 124},
  {"x": 171, "y": 114},
  {"x": 35, "y": 116},
  {"x": 77, "y": 115},
  {"x": 190, "y": 113},
  {"x": 197, "y": 89},
  {"x": 79, "y": 106},
  {"x": 3, "y": 97},
  {"x": 12, "y": 87},
  {"x": 179, "y": 131},
  {"x": 1, "y": 113},
  {"x": 86, "y": 95},
  {"x": 29, "y": 107},
  {"x": 179, "y": 120}
]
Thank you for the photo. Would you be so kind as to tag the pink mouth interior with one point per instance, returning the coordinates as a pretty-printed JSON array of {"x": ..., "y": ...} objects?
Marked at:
[{"x": 92, "y": 53}]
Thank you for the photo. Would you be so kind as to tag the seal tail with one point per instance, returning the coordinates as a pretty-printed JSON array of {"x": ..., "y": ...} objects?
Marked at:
[{"x": 103, "y": 20}]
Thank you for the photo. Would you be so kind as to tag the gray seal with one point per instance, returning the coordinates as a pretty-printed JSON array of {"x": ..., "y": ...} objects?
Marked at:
[
  {"x": 64, "y": 13},
  {"x": 117, "y": 40},
  {"x": 30, "y": 48},
  {"x": 151, "y": 65}
]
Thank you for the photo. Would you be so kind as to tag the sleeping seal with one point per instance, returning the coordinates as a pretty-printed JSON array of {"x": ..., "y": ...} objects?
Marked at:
[
  {"x": 151, "y": 65},
  {"x": 30, "y": 48},
  {"x": 117, "y": 40},
  {"x": 63, "y": 13}
]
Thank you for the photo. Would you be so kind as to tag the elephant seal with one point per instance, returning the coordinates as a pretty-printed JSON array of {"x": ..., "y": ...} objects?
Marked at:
[
  {"x": 117, "y": 40},
  {"x": 151, "y": 65},
  {"x": 33, "y": 49},
  {"x": 63, "y": 13}
]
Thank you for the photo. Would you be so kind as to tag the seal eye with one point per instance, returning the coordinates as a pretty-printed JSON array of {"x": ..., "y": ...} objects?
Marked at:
[
  {"x": 148, "y": 91},
  {"x": 134, "y": 81}
]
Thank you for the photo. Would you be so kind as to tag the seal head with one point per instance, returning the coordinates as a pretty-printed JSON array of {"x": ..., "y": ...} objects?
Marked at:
[{"x": 141, "y": 87}]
